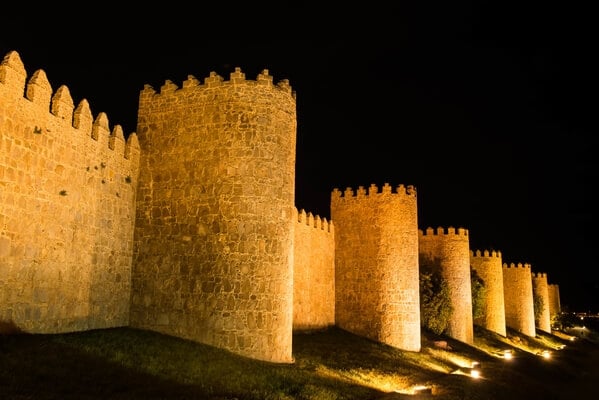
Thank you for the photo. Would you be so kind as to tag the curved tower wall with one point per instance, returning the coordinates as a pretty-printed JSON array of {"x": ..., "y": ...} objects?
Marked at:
[
  {"x": 488, "y": 265},
  {"x": 376, "y": 264},
  {"x": 452, "y": 250},
  {"x": 554, "y": 301},
  {"x": 213, "y": 258},
  {"x": 541, "y": 288},
  {"x": 517, "y": 292},
  {"x": 67, "y": 208}
]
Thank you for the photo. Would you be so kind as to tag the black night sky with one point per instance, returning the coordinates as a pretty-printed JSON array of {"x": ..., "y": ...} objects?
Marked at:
[{"x": 490, "y": 113}]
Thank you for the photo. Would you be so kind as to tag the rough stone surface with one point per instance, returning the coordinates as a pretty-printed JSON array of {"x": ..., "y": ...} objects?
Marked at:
[
  {"x": 214, "y": 229},
  {"x": 67, "y": 194},
  {"x": 554, "y": 300},
  {"x": 540, "y": 288},
  {"x": 313, "y": 273},
  {"x": 451, "y": 250},
  {"x": 517, "y": 293},
  {"x": 488, "y": 265},
  {"x": 376, "y": 264}
]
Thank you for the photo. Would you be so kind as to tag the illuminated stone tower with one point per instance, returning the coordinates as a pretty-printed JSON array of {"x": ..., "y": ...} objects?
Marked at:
[
  {"x": 451, "y": 250},
  {"x": 213, "y": 257},
  {"x": 488, "y": 266},
  {"x": 517, "y": 293},
  {"x": 376, "y": 264},
  {"x": 541, "y": 289},
  {"x": 554, "y": 301}
]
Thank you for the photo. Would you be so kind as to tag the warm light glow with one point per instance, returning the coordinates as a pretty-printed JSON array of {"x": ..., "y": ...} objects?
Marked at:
[
  {"x": 546, "y": 354},
  {"x": 472, "y": 372},
  {"x": 368, "y": 378},
  {"x": 415, "y": 390}
]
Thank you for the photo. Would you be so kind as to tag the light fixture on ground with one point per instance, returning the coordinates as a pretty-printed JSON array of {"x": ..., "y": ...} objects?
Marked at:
[
  {"x": 422, "y": 389},
  {"x": 507, "y": 354},
  {"x": 545, "y": 354}
]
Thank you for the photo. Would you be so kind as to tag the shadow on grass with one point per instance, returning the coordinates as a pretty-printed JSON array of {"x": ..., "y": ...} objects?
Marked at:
[
  {"x": 125, "y": 363},
  {"x": 82, "y": 366}
]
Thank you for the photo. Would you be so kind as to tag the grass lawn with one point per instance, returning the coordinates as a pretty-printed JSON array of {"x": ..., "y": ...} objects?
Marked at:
[{"x": 126, "y": 363}]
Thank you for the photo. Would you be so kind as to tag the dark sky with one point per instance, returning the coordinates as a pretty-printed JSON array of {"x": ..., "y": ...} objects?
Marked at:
[{"x": 490, "y": 113}]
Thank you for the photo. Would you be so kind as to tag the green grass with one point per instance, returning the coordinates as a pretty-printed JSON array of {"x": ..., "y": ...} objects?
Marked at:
[{"x": 126, "y": 363}]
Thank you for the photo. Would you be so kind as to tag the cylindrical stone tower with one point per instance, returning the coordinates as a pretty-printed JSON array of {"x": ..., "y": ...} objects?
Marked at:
[
  {"x": 555, "y": 307},
  {"x": 376, "y": 264},
  {"x": 452, "y": 251},
  {"x": 540, "y": 288},
  {"x": 517, "y": 293},
  {"x": 213, "y": 257},
  {"x": 488, "y": 266}
]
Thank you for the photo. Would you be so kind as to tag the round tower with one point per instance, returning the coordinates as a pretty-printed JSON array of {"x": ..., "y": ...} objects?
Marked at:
[
  {"x": 540, "y": 288},
  {"x": 376, "y": 264},
  {"x": 213, "y": 257},
  {"x": 554, "y": 301},
  {"x": 488, "y": 266},
  {"x": 451, "y": 251},
  {"x": 519, "y": 303}
]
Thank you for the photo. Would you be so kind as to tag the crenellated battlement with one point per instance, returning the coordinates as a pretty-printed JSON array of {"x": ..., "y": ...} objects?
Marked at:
[
  {"x": 314, "y": 221},
  {"x": 213, "y": 80},
  {"x": 440, "y": 231},
  {"x": 373, "y": 190},
  {"x": 68, "y": 193},
  {"x": 539, "y": 275},
  {"x": 36, "y": 93},
  {"x": 485, "y": 253},
  {"x": 517, "y": 265}
]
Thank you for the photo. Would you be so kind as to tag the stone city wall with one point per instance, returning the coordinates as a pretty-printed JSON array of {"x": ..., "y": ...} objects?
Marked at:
[{"x": 67, "y": 207}]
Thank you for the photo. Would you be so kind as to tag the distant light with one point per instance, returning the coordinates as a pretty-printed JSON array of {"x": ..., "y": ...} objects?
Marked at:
[
  {"x": 475, "y": 373},
  {"x": 507, "y": 354}
]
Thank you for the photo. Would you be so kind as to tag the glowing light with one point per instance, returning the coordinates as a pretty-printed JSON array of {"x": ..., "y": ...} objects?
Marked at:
[
  {"x": 422, "y": 389},
  {"x": 545, "y": 354},
  {"x": 472, "y": 372}
]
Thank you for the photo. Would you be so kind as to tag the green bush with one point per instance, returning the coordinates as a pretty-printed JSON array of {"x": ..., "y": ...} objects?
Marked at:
[
  {"x": 435, "y": 303},
  {"x": 478, "y": 289}
]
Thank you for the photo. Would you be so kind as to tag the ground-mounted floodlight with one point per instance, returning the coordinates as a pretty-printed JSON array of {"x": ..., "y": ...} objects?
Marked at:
[
  {"x": 545, "y": 354},
  {"x": 416, "y": 390},
  {"x": 422, "y": 389},
  {"x": 506, "y": 354},
  {"x": 473, "y": 372}
]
